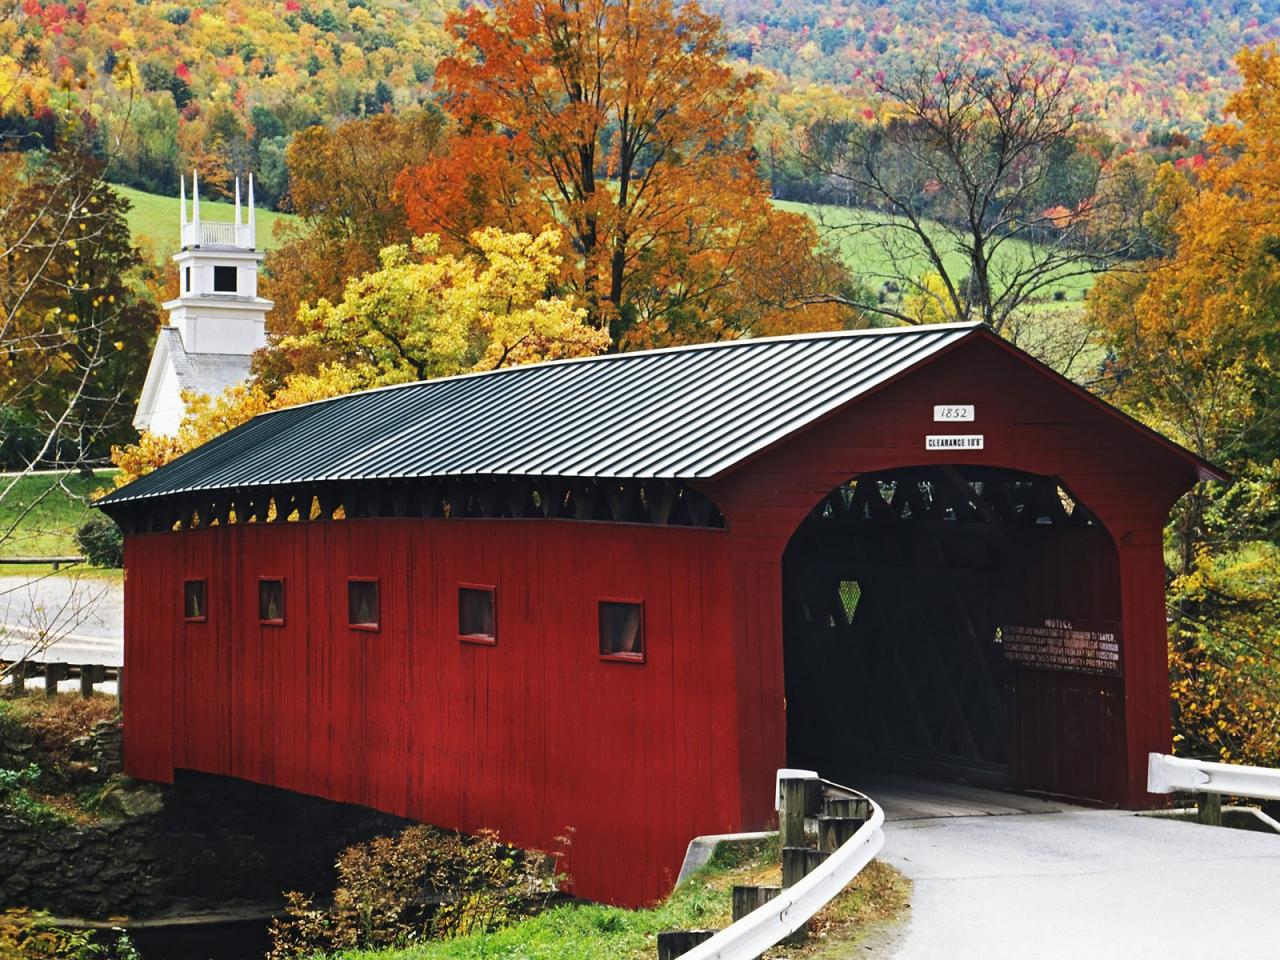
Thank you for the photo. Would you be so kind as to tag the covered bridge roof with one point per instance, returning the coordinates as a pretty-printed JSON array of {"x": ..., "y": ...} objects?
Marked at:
[{"x": 687, "y": 412}]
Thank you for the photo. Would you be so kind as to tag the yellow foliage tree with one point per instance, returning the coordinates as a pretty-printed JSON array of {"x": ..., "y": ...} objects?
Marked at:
[{"x": 427, "y": 314}]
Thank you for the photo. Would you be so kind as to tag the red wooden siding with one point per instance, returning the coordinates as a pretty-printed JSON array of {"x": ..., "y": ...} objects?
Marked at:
[
  {"x": 529, "y": 736},
  {"x": 537, "y": 733}
]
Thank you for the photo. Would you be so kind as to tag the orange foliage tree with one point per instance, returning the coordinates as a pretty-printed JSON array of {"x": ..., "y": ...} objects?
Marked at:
[
  {"x": 342, "y": 186},
  {"x": 620, "y": 123},
  {"x": 1194, "y": 342}
]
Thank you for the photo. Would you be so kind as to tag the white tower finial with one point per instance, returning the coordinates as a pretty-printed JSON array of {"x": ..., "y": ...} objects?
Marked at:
[
  {"x": 195, "y": 204},
  {"x": 253, "y": 230},
  {"x": 182, "y": 202}
]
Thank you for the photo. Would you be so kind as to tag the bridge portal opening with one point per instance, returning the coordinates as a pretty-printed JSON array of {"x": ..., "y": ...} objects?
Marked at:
[{"x": 954, "y": 622}]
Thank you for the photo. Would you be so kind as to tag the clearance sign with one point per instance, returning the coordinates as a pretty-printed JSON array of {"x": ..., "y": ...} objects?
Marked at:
[{"x": 953, "y": 441}]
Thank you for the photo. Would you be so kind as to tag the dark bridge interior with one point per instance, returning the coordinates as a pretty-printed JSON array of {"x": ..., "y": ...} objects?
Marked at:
[{"x": 895, "y": 591}]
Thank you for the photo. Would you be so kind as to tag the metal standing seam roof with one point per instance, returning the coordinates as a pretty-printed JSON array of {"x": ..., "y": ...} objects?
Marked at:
[{"x": 683, "y": 412}]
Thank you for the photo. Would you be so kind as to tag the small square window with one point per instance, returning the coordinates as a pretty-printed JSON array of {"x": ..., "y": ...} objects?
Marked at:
[
  {"x": 271, "y": 601},
  {"x": 187, "y": 277},
  {"x": 362, "y": 603},
  {"x": 477, "y": 621},
  {"x": 194, "y": 609},
  {"x": 224, "y": 279},
  {"x": 622, "y": 630}
]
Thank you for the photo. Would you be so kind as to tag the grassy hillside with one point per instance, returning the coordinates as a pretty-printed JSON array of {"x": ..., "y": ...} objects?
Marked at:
[
  {"x": 156, "y": 218},
  {"x": 866, "y": 256},
  {"x": 58, "y": 502}
]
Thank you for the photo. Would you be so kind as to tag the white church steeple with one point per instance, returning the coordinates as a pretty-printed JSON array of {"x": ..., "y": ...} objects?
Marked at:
[{"x": 217, "y": 321}]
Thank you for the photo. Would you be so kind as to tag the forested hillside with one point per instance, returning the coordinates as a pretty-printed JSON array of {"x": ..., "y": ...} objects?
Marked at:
[
  {"x": 1150, "y": 65},
  {"x": 222, "y": 86}
]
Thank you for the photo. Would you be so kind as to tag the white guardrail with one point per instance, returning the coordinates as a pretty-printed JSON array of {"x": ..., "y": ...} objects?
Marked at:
[
  {"x": 794, "y": 906},
  {"x": 1166, "y": 774}
]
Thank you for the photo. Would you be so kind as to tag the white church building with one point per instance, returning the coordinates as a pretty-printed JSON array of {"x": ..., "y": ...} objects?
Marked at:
[{"x": 217, "y": 321}]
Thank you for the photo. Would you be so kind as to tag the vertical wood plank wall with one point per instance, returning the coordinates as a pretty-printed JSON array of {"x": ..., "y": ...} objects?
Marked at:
[{"x": 529, "y": 736}]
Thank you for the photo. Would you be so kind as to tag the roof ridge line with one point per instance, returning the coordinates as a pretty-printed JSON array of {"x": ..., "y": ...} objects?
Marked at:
[{"x": 683, "y": 348}]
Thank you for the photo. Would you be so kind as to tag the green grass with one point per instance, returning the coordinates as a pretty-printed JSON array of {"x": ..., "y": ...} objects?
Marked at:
[
  {"x": 591, "y": 931},
  {"x": 864, "y": 252},
  {"x": 58, "y": 504},
  {"x": 156, "y": 218}
]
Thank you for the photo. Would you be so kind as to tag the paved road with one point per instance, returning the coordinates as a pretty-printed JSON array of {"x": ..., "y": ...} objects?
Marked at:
[
  {"x": 993, "y": 881},
  {"x": 87, "y": 613}
]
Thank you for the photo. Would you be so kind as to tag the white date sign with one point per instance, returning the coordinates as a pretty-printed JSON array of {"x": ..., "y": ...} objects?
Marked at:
[{"x": 953, "y": 413}]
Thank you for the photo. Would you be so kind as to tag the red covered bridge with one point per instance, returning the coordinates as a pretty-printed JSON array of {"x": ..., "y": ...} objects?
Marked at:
[{"x": 616, "y": 594}]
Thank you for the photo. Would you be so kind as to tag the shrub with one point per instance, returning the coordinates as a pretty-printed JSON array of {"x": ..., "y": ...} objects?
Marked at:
[
  {"x": 31, "y": 936},
  {"x": 424, "y": 884},
  {"x": 16, "y": 798},
  {"x": 101, "y": 541}
]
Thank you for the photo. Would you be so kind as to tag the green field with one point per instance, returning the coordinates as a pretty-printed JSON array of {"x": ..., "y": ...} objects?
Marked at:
[
  {"x": 58, "y": 502},
  {"x": 156, "y": 218},
  {"x": 864, "y": 251}
]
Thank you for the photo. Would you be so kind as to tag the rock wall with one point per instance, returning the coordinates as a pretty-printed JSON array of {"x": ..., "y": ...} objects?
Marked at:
[{"x": 203, "y": 842}]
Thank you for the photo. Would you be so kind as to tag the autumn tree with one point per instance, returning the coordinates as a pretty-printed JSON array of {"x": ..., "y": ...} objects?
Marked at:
[
  {"x": 75, "y": 320},
  {"x": 980, "y": 183},
  {"x": 342, "y": 186},
  {"x": 426, "y": 314},
  {"x": 1194, "y": 345},
  {"x": 621, "y": 123}
]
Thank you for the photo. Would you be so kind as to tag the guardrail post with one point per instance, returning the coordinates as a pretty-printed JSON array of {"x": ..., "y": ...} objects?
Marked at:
[
  {"x": 91, "y": 674},
  {"x": 748, "y": 898},
  {"x": 1209, "y": 809},
  {"x": 18, "y": 677},
  {"x": 800, "y": 799},
  {"x": 833, "y": 832},
  {"x": 53, "y": 672},
  {"x": 856, "y": 807},
  {"x": 676, "y": 943},
  {"x": 799, "y": 862}
]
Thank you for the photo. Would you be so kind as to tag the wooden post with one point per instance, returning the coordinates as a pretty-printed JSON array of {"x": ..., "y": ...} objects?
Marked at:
[
  {"x": 53, "y": 672},
  {"x": 1209, "y": 809},
  {"x": 18, "y": 677},
  {"x": 791, "y": 816},
  {"x": 746, "y": 899},
  {"x": 800, "y": 799},
  {"x": 834, "y": 832},
  {"x": 798, "y": 862},
  {"x": 90, "y": 674},
  {"x": 676, "y": 943},
  {"x": 858, "y": 807}
]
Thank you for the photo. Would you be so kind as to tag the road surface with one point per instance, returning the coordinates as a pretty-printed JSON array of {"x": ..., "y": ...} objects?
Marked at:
[
  {"x": 997, "y": 876},
  {"x": 84, "y": 613}
]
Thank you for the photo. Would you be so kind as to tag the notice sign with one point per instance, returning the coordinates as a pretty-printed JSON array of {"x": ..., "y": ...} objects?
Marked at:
[
  {"x": 953, "y": 413},
  {"x": 953, "y": 441},
  {"x": 1067, "y": 646}
]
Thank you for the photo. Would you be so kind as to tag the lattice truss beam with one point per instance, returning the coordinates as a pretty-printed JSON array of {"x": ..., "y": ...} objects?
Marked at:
[
  {"x": 963, "y": 494},
  {"x": 658, "y": 502}
]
